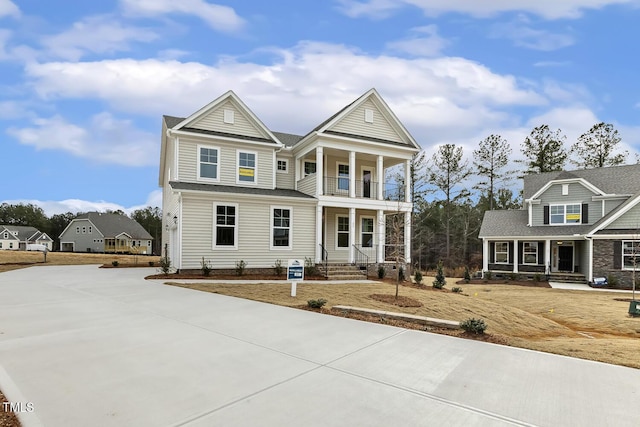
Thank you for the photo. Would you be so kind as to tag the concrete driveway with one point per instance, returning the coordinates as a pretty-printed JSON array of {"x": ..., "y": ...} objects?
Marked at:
[{"x": 103, "y": 347}]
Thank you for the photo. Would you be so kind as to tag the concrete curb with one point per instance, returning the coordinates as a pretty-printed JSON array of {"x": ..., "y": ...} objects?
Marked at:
[{"x": 429, "y": 321}]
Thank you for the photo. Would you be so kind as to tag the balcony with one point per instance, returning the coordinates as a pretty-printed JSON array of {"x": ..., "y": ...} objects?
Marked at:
[{"x": 340, "y": 186}]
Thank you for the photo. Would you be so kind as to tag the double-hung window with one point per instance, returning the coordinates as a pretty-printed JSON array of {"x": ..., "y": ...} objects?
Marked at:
[
  {"x": 342, "y": 238},
  {"x": 502, "y": 253},
  {"x": 225, "y": 233},
  {"x": 343, "y": 177},
  {"x": 208, "y": 162},
  {"x": 366, "y": 232},
  {"x": 530, "y": 252},
  {"x": 246, "y": 167},
  {"x": 631, "y": 255},
  {"x": 281, "y": 228},
  {"x": 565, "y": 214}
]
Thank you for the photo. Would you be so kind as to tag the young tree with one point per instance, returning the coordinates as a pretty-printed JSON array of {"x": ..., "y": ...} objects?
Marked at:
[
  {"x": 151, "y": 220},
  {"x": 448, "y": 172},
  {"x": 595, "y": 149},
  {"x": 491, "y": 157},
  {"x": 544, "y": 150}
]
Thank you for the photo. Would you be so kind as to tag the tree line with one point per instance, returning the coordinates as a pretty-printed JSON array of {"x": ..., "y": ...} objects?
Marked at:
[
  {"x": 150, "y": 218},
  {"x": 450, "y": 194}
]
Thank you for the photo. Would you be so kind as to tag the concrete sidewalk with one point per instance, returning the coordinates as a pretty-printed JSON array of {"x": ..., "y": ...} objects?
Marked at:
[{"x": 89, "y": 346}]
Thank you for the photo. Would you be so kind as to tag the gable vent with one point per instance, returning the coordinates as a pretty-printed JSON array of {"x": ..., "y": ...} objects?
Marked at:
[
  {"x": 368, "y": 115},
  {"x": 228, "y": 116}
]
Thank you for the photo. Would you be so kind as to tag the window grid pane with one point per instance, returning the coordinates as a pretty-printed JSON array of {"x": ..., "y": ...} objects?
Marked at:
[
  {"x": 281, "y": 227},
  {"x": 208, "y": 163}
]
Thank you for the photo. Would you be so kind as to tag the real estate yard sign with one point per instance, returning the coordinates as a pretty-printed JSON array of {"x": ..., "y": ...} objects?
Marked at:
[{"x": 295, "y": 273}]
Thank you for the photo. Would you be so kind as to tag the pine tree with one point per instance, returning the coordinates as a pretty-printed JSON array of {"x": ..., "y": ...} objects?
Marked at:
[
  {"x": 440, "y": 280},
  {"x": 595, "y": 149},
  {"x": 490, "y": 158},
  {"x": 544, "y": 150}
]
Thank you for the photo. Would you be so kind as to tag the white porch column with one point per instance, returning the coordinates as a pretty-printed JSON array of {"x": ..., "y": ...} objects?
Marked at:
[
  {"x": 407, "y": 237},
  {"x": 547, "y": 256},
  {"x": 352, "y": 174},
  {"x": 380, "y": 177},
  {"x": 319, "y": 170},
  {"x": 407, "y": 181},
  {"x": 318, "y": 234},
  {"x": 352, "y": 234},
  {"x": 515, "y": 255},
  {"x": 485, "y": 256},
  {"x": 297, "y": 171},
  {"x": 590, "y": 263},
  {"x": 381, "y": 236}
]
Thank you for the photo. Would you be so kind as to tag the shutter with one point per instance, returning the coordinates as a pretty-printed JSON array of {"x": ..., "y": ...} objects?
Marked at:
[
  {"x": 510, "y": 252},
  {"x": 617, "y": 255},
  {"x": 585, "y": 213},
  {"x": 492, "y": 252},
  {"x": 546, "y": 214}
]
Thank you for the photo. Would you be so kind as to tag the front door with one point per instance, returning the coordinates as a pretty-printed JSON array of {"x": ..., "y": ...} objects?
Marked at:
[
  {"x": 565, "y": 258},
  {"x": 366, "y": 184}
]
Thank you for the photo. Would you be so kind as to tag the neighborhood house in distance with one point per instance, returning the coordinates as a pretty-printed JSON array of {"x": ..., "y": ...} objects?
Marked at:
[
  {"x": 105, "y": 232},
  {"x": 235, "y": 190},
  {"x": 19, "y": 237},
  {"x": 584, "y": 222}
]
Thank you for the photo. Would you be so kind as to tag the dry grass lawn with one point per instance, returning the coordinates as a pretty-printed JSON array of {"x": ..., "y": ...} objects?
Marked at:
[
  {"x": 13, "y": 260},
  {"x": 584, "y": 324}
]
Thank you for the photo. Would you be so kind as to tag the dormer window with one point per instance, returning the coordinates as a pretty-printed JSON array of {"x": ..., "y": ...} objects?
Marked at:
[{"x": 565, "y": 214}]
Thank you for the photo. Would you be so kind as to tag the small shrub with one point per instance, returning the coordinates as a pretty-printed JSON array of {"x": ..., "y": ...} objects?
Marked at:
[
  {"x": 310, "y": 267},
  {"x": 467, "y": 276},
  {"x": 474, "y": 326},
  {"x": 513, "y": 276},
  {"x": 278, "y": 269},
  {"x": 440, "y": 281},
  {"x": 165, "y": 264},
  {"x": 151, "y": 263},
  {"x": 316, "y": 303},
  {"x": 418, "y": 277},
  {"x": 457, "y": 290},
  {"x": 205, "y": 266},
  {"x": 487, "y": 275},
  {"x": 401, "y": 274},
  {"x": 612, "y": 280},
  {"x": 240, "y": 267},
  {"x": 381, "y": 272},
  {"x": 537, "y": 277},
  {"x": 115, "y": 263}
]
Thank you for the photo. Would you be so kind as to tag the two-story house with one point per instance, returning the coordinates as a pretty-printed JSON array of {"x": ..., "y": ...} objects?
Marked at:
[
  {"x": 583, "y": 221},
  {"x": 235, "y": 190}
]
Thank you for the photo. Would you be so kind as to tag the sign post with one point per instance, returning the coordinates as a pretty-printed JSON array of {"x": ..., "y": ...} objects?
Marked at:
[{"x": 295, "y": 273}]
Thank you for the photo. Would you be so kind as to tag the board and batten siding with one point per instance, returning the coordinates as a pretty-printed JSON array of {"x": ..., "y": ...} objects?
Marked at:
[
  {"x": 254, "y": 231},
  {"x": 227, "y": 162},
  {"x": 354, "y": 124},
  {"x": 629, "y": 221},
  {"x": 214, "y": 121},
  {"x": 577, "y": 194}
]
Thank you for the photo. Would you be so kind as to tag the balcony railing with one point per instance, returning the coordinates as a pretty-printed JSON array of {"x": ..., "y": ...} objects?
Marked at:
[{"x": 339, "y": 186}]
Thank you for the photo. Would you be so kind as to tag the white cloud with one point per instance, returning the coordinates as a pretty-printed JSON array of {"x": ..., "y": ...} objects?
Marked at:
[
  {"x": 424, "y": 41},
  {"x": 218, "y": 17},
  {"x": 96, "y": 34},
  {"x": 105, "y": 139},
  {"x": 550, "y": 9},
  {"x": 7, "y": 8},
  {"x": 521, "y": 33}
]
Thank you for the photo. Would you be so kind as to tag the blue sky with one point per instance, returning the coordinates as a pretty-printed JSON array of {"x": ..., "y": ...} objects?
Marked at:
[{"x": 84, "y": 84}]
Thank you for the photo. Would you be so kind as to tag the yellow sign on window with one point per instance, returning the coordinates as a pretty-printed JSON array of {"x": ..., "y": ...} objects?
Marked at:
[
  {"x": 246, "y": 172},
  {"x": 573, "y": 217}
]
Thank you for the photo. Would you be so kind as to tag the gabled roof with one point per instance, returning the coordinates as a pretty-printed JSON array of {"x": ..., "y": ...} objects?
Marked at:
[
  {"x": 288, "y": 139},
  {"x": 110, "y": 225},
  {"x": 513, "y": 224},
  {"x": 620, "y": 180},
  {"x": 620, "y": 210},
  {"x": 25, "y": 233}
]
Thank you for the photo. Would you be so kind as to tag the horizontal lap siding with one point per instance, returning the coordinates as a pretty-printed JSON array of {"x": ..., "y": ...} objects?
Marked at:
[
  {"x": 214, "y": 121},
  {"x": 354, "y": 124},
  {"x": 254, "y": 217},
  {"x": 342, "y": 254},
  {"x": 630, "y": 220},
  {"x": 286, "y": 180},
  {"x": 577, "y": 194}
]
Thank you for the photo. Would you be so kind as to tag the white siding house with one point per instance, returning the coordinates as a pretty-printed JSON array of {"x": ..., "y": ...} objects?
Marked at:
[{"x": 235, "y": 190}]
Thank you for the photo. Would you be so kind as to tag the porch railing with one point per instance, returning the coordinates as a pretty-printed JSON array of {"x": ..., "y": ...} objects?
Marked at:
[
  {"x": 339, "y": 186},
  {"x": 325, "y": 260}
]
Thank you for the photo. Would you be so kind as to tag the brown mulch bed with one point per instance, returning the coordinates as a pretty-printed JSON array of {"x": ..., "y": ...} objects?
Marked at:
[
  {"x": 193, "y": 276},
  {"x": 7, "y": 419},
  {"x": 129, "y": 265},
  {"x": 400, "y": 301},
  {"x": 530, "y": 283}
]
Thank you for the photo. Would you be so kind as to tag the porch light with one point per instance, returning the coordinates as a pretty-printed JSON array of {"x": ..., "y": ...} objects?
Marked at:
[
  {"x": 175, "y": 219},
  {"x": 560, "y": 242}
]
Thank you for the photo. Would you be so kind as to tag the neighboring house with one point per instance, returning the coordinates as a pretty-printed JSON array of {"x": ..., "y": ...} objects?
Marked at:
[
  {"x": 105, "y": 232},
  {"x": 17, "y": 237},
  {"x": 234, "y": 190},
  {"x": 583, "y": 221}
]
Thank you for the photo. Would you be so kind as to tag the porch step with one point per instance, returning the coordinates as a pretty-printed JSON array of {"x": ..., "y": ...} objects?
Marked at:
[
  {"x": 343, "y": 272},
  {"x": 568, "y": 278}
]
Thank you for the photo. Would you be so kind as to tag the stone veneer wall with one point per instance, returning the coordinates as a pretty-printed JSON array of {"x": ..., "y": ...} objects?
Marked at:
[{"x": 603, "y": 264}]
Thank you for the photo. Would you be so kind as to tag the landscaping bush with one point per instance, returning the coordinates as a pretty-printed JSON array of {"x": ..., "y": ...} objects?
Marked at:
[
  {"x": 115, "y": 263},
  {"x": 165, "y": 264},
  {"x": 612, "y": 280},
  {"x": 310, "y": 267},
  {"x": 418, "y": 277},
  {"x": 381, "y": 272},
  {"x": 537, "y": 277},
  {"x": 205, "y": 266},
  {"x": 513, "y": 276},
  {"x": 440, "y": 281},
  {"x": 240, "y": 267},
  {"x": 487, "y": 275},
  {"x": 278, "y": 268},
  {"x": 151, "y": 263},
  {"x": 474, "y": 326},
  {"x": 467, "y": 276},
  {"x": 316, "y": 303},
  {"x": 457, "y": 290},
  {"x": 401, "y": 274}
]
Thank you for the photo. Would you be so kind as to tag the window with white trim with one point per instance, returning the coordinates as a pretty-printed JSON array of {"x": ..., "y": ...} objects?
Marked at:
[
  {"x": 84, "y": 230},
  {"x": 208, "y": 161},
  {"x": 77, "y": 230},
  {"x": 282, "y": 166},
  {"x": 90, "y": 229},
  {"x": 246, "y": 167},
  {"x": 501, "y": 252},
  {"x": 342, "y": 231},
  {"x": 366, "y": 232},
  {"x": 631, "y": 254},
  {"x": 565, "y": 214},
  {"x": 225, "y": 233},
  {"x": 309, "y": 168},
  {"x": 530, "y": 253},
  {"x": 10, "y": 245},
  {"x": 281, "y": 228},
  {"x": 343, "y": 176},
  {"x": 0, "y": 245}
]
